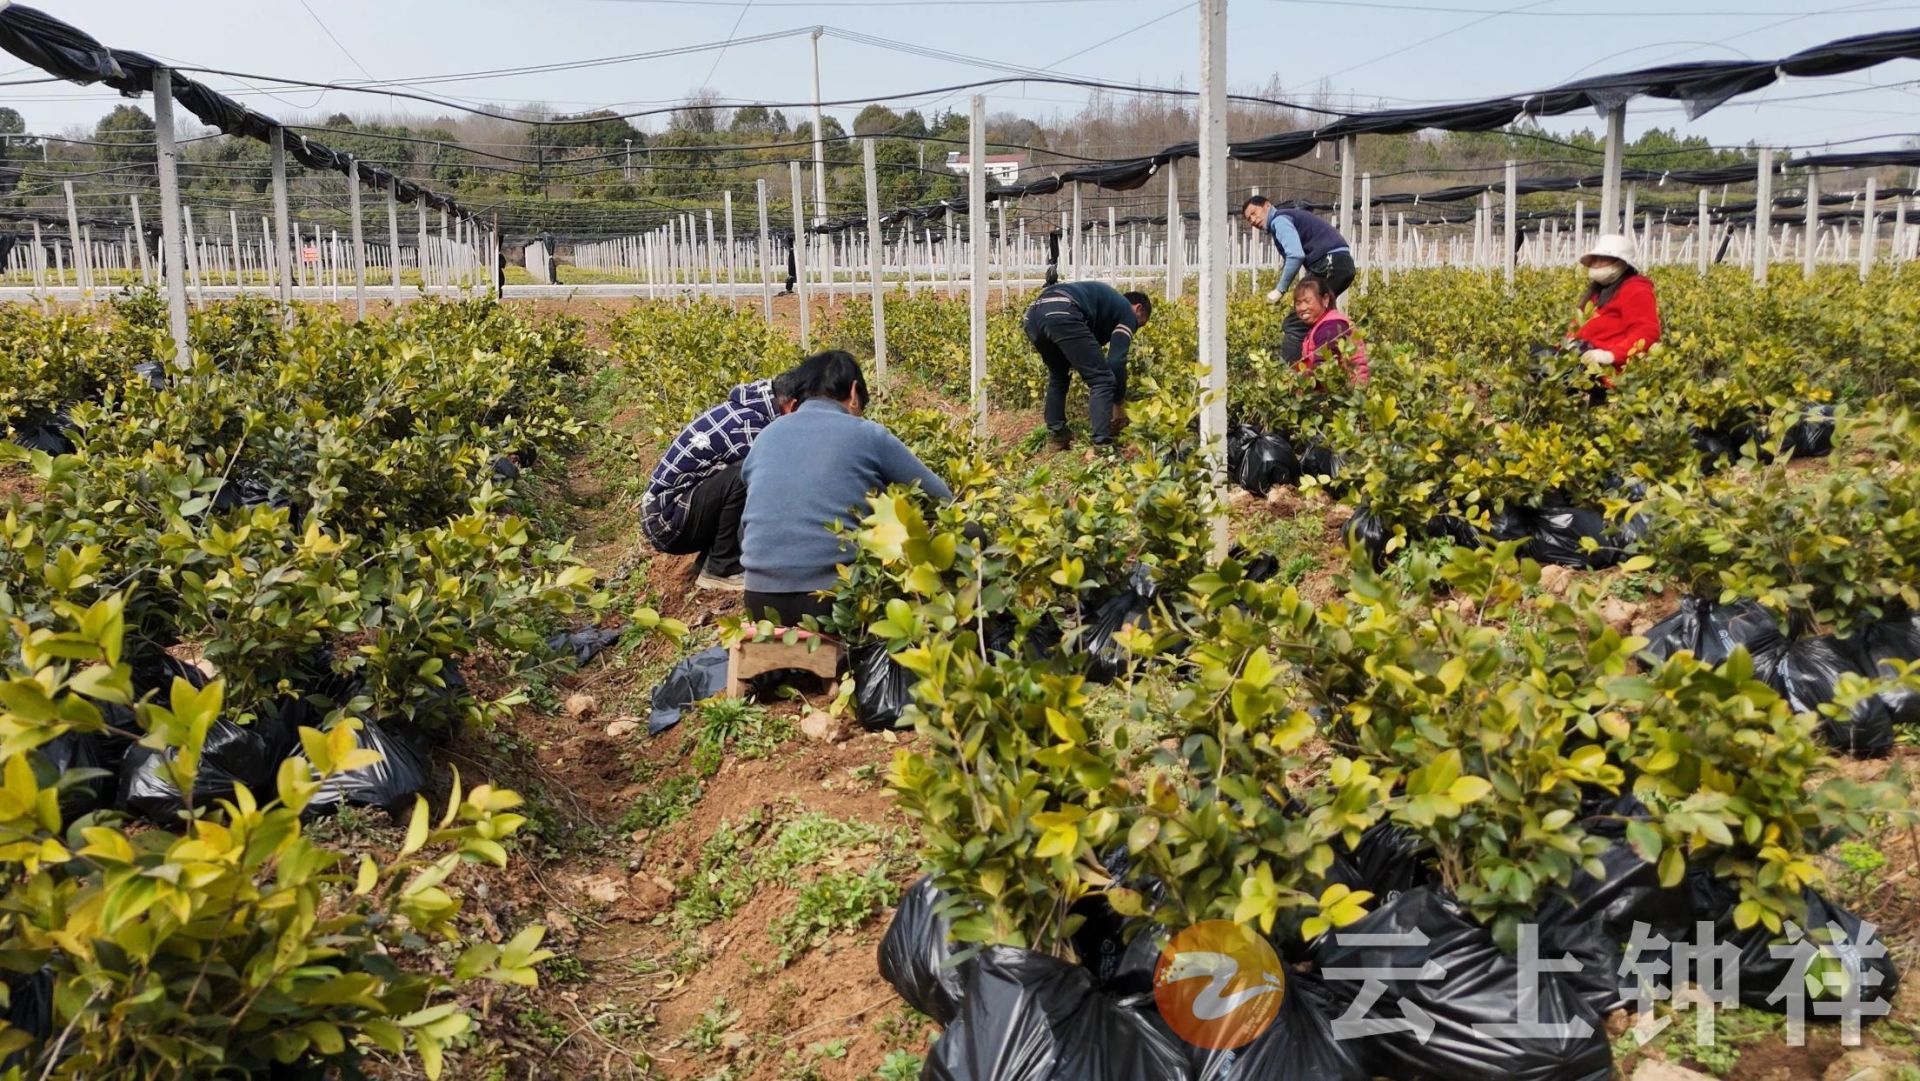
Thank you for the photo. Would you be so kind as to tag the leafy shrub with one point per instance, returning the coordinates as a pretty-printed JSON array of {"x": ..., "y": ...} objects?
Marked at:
[{"x": 244, "y": 943}]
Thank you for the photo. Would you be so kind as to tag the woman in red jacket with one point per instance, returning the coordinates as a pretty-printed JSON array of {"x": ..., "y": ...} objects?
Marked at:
[{"x": 1619, "y": 317}]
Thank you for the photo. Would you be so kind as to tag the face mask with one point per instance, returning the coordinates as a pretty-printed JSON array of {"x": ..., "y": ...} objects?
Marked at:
[{"x": 1605, "y": 275}]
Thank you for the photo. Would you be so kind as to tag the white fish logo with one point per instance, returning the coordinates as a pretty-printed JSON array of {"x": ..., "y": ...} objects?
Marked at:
[
  {"x": 1219, "y": 970},
  {"x": 1219, "y": 985}
]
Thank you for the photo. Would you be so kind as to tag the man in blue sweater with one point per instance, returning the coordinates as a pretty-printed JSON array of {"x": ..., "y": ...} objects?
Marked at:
[
  {"x": 815, "y": 466},
  {"x": 1305, "y": 243},
  {"x": 1067, "y": 326}
]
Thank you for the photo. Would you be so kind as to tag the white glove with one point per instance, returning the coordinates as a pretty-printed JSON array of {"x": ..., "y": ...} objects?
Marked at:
[
  {"x": 1598, "y": 358},
  {"x": 1276, "y": 297}
]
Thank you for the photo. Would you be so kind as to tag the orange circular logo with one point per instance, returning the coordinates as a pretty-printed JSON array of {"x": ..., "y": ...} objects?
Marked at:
[{"x": 1219, "y": 985}]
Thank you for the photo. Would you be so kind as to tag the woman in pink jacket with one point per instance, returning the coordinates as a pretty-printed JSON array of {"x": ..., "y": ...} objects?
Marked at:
[{"x": 1330, "y": 335}]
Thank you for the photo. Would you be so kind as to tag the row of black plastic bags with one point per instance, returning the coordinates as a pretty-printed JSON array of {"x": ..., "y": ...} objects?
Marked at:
[
  {"x": 1805, "y": 671},
  {"x": 111, "y": 770},
  {"x": 1017, "y": 1015}
]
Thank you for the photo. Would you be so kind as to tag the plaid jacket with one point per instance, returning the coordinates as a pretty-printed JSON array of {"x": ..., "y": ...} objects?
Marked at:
[{"x": 715, "y": 440}]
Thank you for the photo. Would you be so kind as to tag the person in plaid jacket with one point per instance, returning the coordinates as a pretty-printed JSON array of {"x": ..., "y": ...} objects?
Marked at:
[{"x": 695, "y": 495}]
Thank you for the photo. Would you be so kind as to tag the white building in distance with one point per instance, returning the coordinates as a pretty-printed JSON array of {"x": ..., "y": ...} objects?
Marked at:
[{"x": 1001, "y": 168}]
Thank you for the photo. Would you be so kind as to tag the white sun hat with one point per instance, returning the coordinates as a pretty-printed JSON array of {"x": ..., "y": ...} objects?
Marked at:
[{"x": 1610, "y": 246}]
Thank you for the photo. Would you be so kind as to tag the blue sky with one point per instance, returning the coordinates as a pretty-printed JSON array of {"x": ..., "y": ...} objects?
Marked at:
[{"x": 1391, "y": 52}]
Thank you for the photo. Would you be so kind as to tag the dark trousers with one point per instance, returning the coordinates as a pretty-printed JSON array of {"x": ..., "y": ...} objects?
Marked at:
[
  {"x": 1060, "y": 334},
  {"x": 1337, "y": 271},
  {"x": 788, "y": 609},
  {"x": 713, "y": 522}
]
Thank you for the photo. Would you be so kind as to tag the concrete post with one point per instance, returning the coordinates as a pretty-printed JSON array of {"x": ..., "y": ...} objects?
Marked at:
[
  {"x": 171, "y": 244},
  {"x": 1214, "y": 243},
  {"x": 800, "y": 254},
  {"x": 977, "y": 241},
  {"x": 359, "y": 240},
  {"x": 876, "y": 285},
  {"x": 1763, "y": 215}
]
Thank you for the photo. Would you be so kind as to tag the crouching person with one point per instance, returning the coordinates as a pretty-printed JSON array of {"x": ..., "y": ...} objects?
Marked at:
[
  {"x": 695, "y": 496},
  {"x": 814, "y": 467}
]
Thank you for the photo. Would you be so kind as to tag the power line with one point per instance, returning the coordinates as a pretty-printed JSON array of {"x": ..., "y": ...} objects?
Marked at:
[{"x": 336, "y": 41}]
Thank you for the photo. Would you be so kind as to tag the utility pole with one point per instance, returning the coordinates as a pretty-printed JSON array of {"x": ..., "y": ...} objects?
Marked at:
[
  {"x": 977, "y": 243},
  {"x": 819, "y": 157},
  {"x": 875, "y": 263},
  {"x": 1212, "y": 198},
  {"x": 175, "y": 256},
  {"x": 1610, "y": 171},
  {"x": 1763, "y": 215},
  {"x": 629, "y": 168}
]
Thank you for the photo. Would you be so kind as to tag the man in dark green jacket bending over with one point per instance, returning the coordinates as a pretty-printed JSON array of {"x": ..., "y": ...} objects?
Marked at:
[{"x": 1068, "y": 325}]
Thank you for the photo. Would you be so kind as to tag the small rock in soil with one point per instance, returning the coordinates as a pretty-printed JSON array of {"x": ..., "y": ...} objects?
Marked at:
[
  {"x": 1619, "y": 615},
  {"x": 558, "y": 922},
  {"x": 817, "y": 725},
  {"x": 648, "y": 897},
  {"x": 1863, "y": 1064},
  {"x": 601, "y": 888},
  {"x": 581, "y": 706},
  {"x": 623, "y": 727},
  {"x": 1555, "y": 579}
]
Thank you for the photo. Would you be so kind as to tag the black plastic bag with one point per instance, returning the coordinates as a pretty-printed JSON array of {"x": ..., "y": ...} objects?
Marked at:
[
  {"x": 232, "y": 755},
  {"x": 1453, "y": 528},
  {"x": 1239, "y": 437},
  {"x": 1812, "y": 435},
  {"x": 1557, "y": 535},
  {"x": 1709, "y": 445},
  {"x": 1760, "y": 972},
  {"x": 1808, "y": 675},
  {"x": 506, "y": 468},
  {"x": 1389, "y": 859},
  {"x": 1267, "y": 461},
  {"x": 917, "y": 958},
  {"x": 49, "y": 435},
  {"x": 246, "y": 492},
  {"x": 152, "y": 373},
  {"x": 1042, "y": 641},
  {"x": 1629, "y": 893},
  {"x": 405, "y": 767},
  {"x": 1319, "y": 460},
  {"x": 1895, "y": 640},
  {"x": 1480, "y": 986},
  {"x": 1366, "y": 529},
  {"x": 586, "y": 643},
  {"x": 81, "y": 759},
  {"x": 1029, "y": 1017},
  {"x": 1511, "y": 524},
  {"x": 30, "y": 1011},
  {"x": 695, "y": 679},
  {"x": 1119, "y": 950},
  {"x": 1106, "y": 659},
  {"x": 1298, "y": 1046},
  {"x": 1711, "y": 632},
  {"x": 1597, "y": 952},
  {"x": 882, "y": 689}
]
